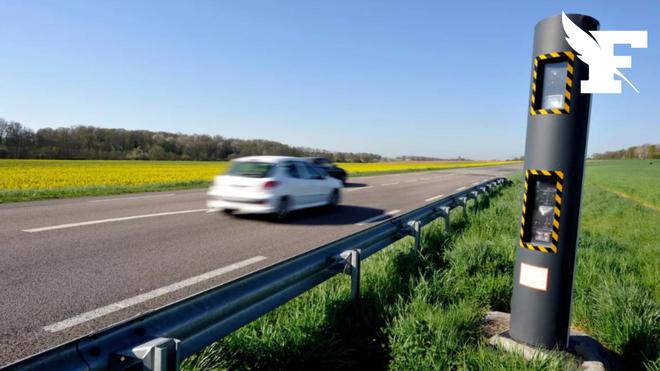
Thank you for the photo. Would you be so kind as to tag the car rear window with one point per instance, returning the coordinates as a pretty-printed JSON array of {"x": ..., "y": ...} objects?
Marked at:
[
  {"x": 250, "y": 169},
  {"x": 323, "y": 162}
]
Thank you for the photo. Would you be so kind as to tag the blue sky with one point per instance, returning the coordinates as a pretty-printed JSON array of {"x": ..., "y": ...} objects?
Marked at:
[{"x": 397, "y": 78}]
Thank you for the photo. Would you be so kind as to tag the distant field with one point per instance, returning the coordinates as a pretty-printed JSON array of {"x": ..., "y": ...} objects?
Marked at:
[
  {"x": 22, "y": 180},
  {"x": 357, "y": 169},
  {"x": 424, "y": 311},
  {"x": 636, "y": 180}
]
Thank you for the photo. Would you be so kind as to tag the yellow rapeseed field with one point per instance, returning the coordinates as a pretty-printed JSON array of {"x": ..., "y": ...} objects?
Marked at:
[
  {"x": 380, "y": 167},
  {"x": 53, "y": 174},
  {"x": 36, "y": 179}
]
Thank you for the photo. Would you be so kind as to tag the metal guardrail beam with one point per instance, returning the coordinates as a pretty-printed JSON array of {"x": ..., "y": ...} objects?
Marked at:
[{"x": 159, "y": 339}]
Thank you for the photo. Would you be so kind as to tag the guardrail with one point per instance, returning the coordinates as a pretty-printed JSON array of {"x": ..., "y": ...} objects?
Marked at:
[{"x": 160, "y": 339}]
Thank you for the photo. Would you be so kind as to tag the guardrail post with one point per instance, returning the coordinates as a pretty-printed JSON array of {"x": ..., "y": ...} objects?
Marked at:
[
  {"x": 462, "y": 201},
  {"x": 474, "y": 195},
  {"x": 484, "y": 192},
  {"x": 491, "y": 188},
  {"x": 444, "y": 214},
  {"x": 352, "y": 258},
  {"x": 414, "y": 230},
  {"x": 160, "y": 354}
]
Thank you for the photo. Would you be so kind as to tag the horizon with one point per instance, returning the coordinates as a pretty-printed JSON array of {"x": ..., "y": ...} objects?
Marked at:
[
  {"x": 321, "y": 150},
  {"x": 370, "y": 77}
]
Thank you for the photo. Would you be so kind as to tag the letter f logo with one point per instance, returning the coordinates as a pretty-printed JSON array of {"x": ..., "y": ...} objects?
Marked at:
[{"x": 598, "y": 53}]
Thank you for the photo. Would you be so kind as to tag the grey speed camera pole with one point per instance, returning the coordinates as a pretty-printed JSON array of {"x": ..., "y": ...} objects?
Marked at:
[{"x": 557, "y": 127}]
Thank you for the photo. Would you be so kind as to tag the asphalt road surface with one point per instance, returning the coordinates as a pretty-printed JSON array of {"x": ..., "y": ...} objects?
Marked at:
[{"x": 70, "y": 267}]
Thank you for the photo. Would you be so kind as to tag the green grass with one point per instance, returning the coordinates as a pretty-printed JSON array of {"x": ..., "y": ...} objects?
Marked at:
[
  {"x": 637, "y": 179},
  {"x": 69, "y": 192},
  {"x": 425, "y": 310}
]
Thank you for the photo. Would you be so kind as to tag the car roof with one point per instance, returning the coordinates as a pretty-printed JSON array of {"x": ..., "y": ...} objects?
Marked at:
[{"x": 267, "y": 159}]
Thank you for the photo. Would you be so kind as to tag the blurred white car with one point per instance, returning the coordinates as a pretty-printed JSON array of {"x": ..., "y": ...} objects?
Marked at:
[{"x": 272, "y": 185}]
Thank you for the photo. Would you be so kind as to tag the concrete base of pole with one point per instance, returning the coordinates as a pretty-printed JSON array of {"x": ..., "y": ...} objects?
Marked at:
[{"x": 583, "y": 353}]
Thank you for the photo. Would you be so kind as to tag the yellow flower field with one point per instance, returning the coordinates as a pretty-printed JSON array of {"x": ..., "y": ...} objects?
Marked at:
[
  {"x": 354, "y": 168},
  {"x": 37, "y": 179},
  {"x": 52, "y": 174}
]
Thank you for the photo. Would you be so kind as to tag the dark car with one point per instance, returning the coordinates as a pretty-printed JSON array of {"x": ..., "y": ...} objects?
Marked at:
[{"x": 330, "y": 168}]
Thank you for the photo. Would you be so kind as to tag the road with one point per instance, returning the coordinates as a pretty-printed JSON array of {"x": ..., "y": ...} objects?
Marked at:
[{"x": 70, "y": 267}]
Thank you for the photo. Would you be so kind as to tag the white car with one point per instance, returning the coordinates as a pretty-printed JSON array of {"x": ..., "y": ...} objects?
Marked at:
[{"x": 272, "y": 185}]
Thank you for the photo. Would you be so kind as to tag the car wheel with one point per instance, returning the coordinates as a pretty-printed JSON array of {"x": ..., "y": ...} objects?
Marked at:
[
  {"x": 334, "y": 199},
  {"x": 228, "y": 211},
  {"x": 283, "y": 209}
]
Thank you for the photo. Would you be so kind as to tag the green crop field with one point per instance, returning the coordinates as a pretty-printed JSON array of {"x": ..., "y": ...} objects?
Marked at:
[
  {"x": 636, "y": 180},
  {"x": 425, "y": 311},
  {"x": 24, "y": 180}
]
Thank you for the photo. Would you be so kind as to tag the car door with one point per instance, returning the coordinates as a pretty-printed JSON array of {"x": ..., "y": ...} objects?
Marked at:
[
  {"x": 305, "y": 191},
  {"x": 293, "y": 182},
  {"x": 319, "y": 189}
]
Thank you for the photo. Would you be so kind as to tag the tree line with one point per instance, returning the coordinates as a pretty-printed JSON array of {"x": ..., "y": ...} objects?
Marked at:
[
  {"x": 643, "y": 152},
  {"x": 94, "y": 143}
]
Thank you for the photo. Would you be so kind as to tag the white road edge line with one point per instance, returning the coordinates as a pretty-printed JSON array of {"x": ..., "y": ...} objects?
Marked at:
[
  {"x": 358, "y": 188},
  {"x": 460, "y": 189},
  {"x": 433, "y": 198},
  {"x": 389, "y": 184},
  {"x": 374, "y": 218},
  {"x": 102, "y": 311},
  {"x": 475, "y": 183},
  {"x": 132, "y": 198},
  {"x": 101, "y": 221}
]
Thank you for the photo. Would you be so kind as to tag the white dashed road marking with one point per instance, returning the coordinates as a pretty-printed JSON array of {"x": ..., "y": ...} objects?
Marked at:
[
  {"x": 433, "y": 198},
  {"x": 357, "y": 189},
  {"x": 377, "y": 217},
  {"x": 101, "y": 221},
  {"x": 100, "y": 312},
  {"x": 131, "y": 198}
]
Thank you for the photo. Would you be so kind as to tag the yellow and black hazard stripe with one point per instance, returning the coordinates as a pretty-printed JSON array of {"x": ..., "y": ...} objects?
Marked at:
[
  {"x": 569, "y": 57},
  {"x": 559, "y": 175}
]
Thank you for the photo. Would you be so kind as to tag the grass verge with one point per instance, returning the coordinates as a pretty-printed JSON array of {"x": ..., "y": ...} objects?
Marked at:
[{"x": 68, "y": 192}]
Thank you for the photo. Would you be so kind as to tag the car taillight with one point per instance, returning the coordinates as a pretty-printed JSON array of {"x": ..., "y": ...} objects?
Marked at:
[{"x": 271, "y": 184}]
